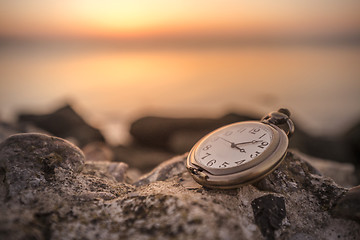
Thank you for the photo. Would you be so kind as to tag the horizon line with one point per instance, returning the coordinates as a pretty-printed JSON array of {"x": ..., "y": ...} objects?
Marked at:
[{"x": 183, "y": 41}]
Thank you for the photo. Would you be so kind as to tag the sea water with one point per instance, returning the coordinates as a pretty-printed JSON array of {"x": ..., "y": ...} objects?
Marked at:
[{"x": 112, "y": 86}]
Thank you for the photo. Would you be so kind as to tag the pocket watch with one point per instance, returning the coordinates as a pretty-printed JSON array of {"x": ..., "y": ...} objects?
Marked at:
[{"x": 241, "y": 153}]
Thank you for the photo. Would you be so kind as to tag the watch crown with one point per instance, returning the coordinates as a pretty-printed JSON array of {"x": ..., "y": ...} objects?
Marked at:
[
  {"x": 284, "y": 111},
  {"x": 281, "y": 118}
]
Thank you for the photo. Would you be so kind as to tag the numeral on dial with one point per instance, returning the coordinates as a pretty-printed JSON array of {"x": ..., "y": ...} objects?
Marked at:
[
  {"x": 240, "y": 162},
  {"x": 254, "y": 130},
  {"x": 224, "y": 164},
  {"x": 263, "y": 144},
  {"x": 211, "y": 162},
  {"x": 207, "y": 154},
  {"x": 207, "y": 147},
  {"x": 257, "y": 153}
]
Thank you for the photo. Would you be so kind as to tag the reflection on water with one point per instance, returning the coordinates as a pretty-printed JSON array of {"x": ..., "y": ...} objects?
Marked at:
[{"x": 321, "y": 85}]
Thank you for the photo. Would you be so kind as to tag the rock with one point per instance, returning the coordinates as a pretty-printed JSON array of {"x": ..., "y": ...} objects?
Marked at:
[
  {"x": 352, "y": 139},
  {"x": 142, "y": 158},
  {"x": 348, "y": 206},
  {"x": 269, "y": 212},
  {"x": 333, "y": 148},
  {"x": 165, "y": 170},
  {"x": 293, "y": 202},
  {"x": 65, "y": 123},
  {"x": 163, "y": 132},
  {"x": 115, "y": 171},
  {"x": 6, "y": 130},
  {"x": 44, "y": 193},
  {"x": 182, "y": 141},
  {"x": 343, "y": 174},
  {"x": 32, "y": 159},
  {"x": 98, "y": 151}
]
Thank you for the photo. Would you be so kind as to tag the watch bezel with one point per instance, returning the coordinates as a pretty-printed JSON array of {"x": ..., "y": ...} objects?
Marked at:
[
  {"x": 232, "y": 177},
  {"x": 244, "y": 166}
]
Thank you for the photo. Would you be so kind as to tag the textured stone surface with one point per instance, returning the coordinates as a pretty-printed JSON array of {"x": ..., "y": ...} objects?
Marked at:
[
  {"x": 33, "y": 159},
  {"x": 58, "y": 197},
  {"x": 269, "y": 212},
  {"x": 343, "y": 174},
  {"x": 165, "y": 170},
  {"x": 348, "y": 206}
]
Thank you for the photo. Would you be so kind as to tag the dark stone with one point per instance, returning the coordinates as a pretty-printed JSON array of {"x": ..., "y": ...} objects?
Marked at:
[
  {"x": 269, "y": 211},
  {"x": 158, "y": 131},
  {"x": 352, "y": 139},
  {"x": 141, "y": 158},
  {"x": 6, "y": 130},
  {"x": 333, "y": 148},
  {"x": 293, "y": 174},
  {"x": 348, "y": 206},
  {"x": 65, "y": 123}
]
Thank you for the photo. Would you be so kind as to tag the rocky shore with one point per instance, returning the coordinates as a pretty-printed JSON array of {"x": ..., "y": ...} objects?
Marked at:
[{"x": 59, "y": 179}]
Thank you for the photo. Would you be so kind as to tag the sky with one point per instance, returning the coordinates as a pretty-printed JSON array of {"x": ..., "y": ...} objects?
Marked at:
[
  {"x": 126, "y": 82},
  {"x": 164, "y": 18}
]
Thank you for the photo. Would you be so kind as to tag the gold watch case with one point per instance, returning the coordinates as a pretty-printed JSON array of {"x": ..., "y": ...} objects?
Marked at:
[{"x": 246, "y": 173}]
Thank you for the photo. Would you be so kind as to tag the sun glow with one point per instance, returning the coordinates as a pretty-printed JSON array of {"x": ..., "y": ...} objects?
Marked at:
[{"x": 113, "y": 18}]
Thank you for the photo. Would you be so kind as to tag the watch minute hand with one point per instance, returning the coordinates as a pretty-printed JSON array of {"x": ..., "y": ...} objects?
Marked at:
[
  {"x": 254, "y": 141},
  {"x": 227, "y": 141}
]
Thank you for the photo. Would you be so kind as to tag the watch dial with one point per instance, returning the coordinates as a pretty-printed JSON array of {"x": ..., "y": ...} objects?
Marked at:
[{"x": 234, "y": 145}]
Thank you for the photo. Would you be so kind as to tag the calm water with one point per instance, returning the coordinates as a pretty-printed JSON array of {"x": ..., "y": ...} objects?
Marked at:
[{"x": 321, "y": 85}]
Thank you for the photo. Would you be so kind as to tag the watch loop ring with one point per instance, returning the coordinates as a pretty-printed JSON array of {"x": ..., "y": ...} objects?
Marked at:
[{"x": 281, "y": 119}]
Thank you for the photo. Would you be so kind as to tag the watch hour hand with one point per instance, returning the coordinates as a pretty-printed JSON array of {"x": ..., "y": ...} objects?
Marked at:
[
  {"x": 233, "y": 145},
  {"x": 241, "y": 149}
]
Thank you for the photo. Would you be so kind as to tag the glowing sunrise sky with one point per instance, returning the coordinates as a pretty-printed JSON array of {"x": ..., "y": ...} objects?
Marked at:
[{"x": 116, "y": 18}]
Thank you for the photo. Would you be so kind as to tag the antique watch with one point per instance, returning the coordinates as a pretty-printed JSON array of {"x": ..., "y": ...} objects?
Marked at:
[{"x": 241, "y": 153}]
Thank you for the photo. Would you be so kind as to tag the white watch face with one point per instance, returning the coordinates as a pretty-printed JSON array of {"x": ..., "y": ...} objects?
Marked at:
[{"x": 234, "y": 145}]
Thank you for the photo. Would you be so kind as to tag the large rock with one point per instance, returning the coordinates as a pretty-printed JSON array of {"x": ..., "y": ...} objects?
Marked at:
[
  {"x": 95, "y": 202},
  {"x": 65, "y": 123},
  {"x": 177, "y": 134},
  {"x": 141, "y": 158},
  {"x": 344, "y": 174},
  {"x": 31, "y": 160},
  {"x": 352, "y": 139}
]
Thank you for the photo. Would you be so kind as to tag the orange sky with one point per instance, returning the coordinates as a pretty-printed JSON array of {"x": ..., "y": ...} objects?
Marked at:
[{"x": 116, "y": 18}]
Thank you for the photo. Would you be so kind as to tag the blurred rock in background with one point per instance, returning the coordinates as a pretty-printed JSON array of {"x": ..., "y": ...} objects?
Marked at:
[
  {"x": 65, "y": 123},
  {"x": 156, "y": 139}
]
